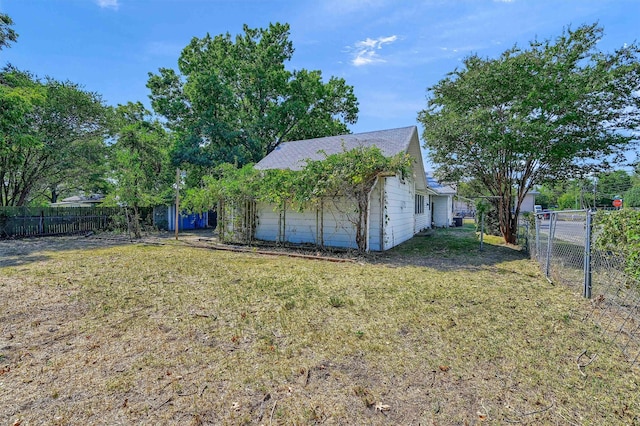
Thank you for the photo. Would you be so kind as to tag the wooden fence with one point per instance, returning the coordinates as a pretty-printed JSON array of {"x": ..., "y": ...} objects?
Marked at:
[{"x": 40, "y": 221}]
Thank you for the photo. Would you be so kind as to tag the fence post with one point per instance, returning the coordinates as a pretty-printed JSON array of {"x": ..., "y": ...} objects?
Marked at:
[
  {"x": 481, "y": 231},
  {"x": 587, "y": 257},
  {"x": 538, "y": 253},
  {"x": 552, "y": 223}
]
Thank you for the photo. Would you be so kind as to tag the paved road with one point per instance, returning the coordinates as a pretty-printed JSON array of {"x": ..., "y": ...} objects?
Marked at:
[{"x": 573, "y": 232}]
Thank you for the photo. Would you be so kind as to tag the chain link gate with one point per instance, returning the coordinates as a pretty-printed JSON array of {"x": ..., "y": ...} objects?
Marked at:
[{"x": 565, "y": 245}]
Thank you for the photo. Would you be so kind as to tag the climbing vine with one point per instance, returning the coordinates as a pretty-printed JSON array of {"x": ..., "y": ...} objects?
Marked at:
[
  {"x": 350, "y": 174},
  {"x": 619, "y": 232}
]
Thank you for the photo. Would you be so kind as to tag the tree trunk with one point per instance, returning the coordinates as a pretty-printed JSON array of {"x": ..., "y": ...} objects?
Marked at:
[
  {"x": 362, "y": 225},
  {"x": 135, "y": 222},
  {"x": 507, "y": 220}
]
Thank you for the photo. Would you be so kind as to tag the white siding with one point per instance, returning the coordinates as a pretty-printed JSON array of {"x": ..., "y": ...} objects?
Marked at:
[
  {"x": 528, "y": 203},
  {"x": 442, "y": 210},
  {"x": 395, "y": 223},
  {"x": 339, "y": 230},
  {"x": 266, "y": 222},
  {"x": 423, "y": 220},
  {"x": 399, "y": 211},
  {"x": 303, "y": 227},
  {"x": 376, "y": 218},
  {"x": 300, "y": 227}
]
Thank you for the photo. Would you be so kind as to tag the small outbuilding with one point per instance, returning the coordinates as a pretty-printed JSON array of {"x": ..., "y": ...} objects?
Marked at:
[
  {"x": 399, "y": 207},
  {"x": 441, "y": 203},
  {"x": 164, "y": 217}
]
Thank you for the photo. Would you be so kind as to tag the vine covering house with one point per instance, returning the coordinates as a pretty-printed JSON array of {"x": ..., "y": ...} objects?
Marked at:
[{"x": 395, "y": 205}]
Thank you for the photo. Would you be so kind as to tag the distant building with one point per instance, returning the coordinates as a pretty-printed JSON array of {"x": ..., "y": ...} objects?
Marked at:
[
  {"x": 441, "y": 203},
  {"x": 80, "y": 201},
  {"x": 529, "y": 202},
  {"x": 399, "y": 207}
]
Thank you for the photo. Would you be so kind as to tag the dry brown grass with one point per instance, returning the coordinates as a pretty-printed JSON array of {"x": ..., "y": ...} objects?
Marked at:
[{"x": 171, "y": 334}]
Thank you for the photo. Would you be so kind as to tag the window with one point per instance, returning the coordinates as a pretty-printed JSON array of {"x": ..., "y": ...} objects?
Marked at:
[{"x": 419, "y": 204}]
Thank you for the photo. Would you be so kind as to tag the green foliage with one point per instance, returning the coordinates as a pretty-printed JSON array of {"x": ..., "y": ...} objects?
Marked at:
[
  {"x": 632, "y": 197},
  {"x": 7, "y": 34},
  {"x": 487, "y": 214},
  {"x": 620, "y": 233},
  {"x": 139, "y": 161},
  {"x": 611, "y": 185},
  {"x": 566, "y": 194},
  {"x": 336, "y": 301},
  {"x": 532, "y": 116},
  {"x": 471, "y": 188},
  {"x": 51, "y": 138},
  {"x": 234, "y": 101},
  {"x": 350, "y": 174}
]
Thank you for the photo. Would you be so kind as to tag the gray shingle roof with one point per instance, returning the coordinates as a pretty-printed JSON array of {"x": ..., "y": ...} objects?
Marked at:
[
  {"x": 438, "y": 187},
  {"x": 293, "y": 155}
]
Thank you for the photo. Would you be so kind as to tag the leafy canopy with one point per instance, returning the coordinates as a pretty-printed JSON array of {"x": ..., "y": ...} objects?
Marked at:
[
  {"x": 234, "y": 101},
  {"x": 139, "y": 158},
  {"x": 533, "y": 115},
  {"x": 51, "y": 137},
  {"x": 350, "y": 173},
  {"x": 7, "y": 34}
]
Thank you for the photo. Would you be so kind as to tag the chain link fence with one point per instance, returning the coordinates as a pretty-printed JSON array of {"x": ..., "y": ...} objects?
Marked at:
[{"x": 565, "y": 245}]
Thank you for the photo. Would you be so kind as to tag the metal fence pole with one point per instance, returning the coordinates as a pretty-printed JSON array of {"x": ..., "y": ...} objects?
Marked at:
[
  {"x": 552, "y": 222},
  {"x": 587, "y": 257},
  {"x": 538, "y": 239},
  {"x": 481, "y": 231}
]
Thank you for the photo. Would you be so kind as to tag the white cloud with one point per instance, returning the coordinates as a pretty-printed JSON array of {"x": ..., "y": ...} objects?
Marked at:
[
  {"x": 365, "y": 51},
  {"x": 108, "y": 4}
]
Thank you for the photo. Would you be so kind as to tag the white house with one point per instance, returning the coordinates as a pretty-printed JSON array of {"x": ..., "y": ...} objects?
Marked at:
[
  {"x": 398, "y": 208},
  {"x": 529, "y": 201},
  {"x": 441, "y": 203}
]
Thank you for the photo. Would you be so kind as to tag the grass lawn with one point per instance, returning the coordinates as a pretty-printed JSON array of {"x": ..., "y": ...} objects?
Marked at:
[{"x": 433, "y": 332}]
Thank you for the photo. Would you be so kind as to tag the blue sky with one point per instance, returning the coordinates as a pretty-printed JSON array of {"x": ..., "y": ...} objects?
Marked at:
[{"x": 391, "y": 51}]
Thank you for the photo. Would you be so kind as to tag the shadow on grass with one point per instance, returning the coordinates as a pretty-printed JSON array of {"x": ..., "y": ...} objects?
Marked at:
[
  {"x": 444, "y": 249},
  {"x": 451, "y": 249},
  {"x": 17, "y": 252}
]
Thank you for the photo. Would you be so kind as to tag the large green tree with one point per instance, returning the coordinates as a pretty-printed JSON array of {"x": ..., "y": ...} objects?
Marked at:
[
  {"x": 532, "y": 115},
  {"x": 51, "y": 137},
  {"x": 139, "y": 162},
  {"x": 233, "y": 100},
  {"x": 611, "y": 185}
]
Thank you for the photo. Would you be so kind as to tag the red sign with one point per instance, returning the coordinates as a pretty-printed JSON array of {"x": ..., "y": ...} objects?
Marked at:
[{"x": 617, "y": 203}]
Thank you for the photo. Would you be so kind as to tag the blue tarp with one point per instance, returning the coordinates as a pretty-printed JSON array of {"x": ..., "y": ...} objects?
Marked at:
[{"x": 187, "y": 221}]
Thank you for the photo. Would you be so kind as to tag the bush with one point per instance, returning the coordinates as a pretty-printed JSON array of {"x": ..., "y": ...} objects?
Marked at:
[{"x": 620, "y": 234}]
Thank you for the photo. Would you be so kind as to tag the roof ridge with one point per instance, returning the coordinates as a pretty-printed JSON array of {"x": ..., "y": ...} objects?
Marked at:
[
  {"x": 352, "y": 134},
  {"x": 294, "y": 154}
]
